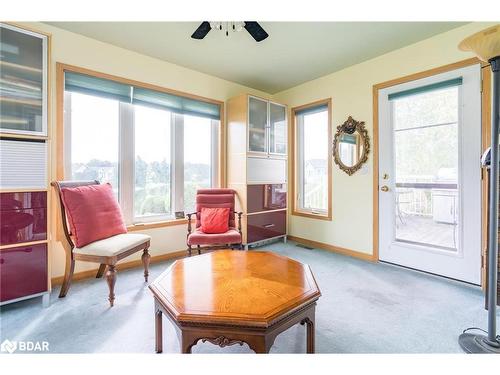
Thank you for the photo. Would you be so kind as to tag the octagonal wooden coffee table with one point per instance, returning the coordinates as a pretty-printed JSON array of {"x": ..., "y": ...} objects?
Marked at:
[{"x": 233, "y": 297}]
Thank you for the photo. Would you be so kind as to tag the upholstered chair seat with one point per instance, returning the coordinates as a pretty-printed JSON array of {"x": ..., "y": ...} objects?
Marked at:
[
  {"x": 200, "y": 238},
  {"x": 114, "y": 245}
]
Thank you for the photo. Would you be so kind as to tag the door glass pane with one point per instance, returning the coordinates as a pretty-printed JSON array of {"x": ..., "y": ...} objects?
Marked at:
[
  {"x": 152, "y": 162},
  {"x": 313, "y": 156},
  {"x": 426, "y": 168},
  {"x": 277, "y": 129},
  {"x": 94, "y": 139},
  {"x": 21, "y": 81},
  {"x": 197, "y": 158},
  {"x": 257, "y": 116}
]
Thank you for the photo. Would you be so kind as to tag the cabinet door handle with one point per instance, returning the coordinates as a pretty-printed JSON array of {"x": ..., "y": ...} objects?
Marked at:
[{"x": 269, "y": 225}]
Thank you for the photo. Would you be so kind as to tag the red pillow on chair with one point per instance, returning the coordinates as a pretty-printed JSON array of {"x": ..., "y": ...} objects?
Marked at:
[
  {"x": 214, "y": 220},
  {"x": 93, "y": 213}
]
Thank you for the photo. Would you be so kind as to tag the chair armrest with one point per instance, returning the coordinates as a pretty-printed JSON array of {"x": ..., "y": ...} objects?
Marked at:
[
  {"x": 189, "y": 221},
  {"x": 239, "y": 220}
]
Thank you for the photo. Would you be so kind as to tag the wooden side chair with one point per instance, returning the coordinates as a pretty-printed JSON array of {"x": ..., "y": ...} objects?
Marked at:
[
  {"x": 107, "y": 252},
  {"x": 215, "y": 198}
]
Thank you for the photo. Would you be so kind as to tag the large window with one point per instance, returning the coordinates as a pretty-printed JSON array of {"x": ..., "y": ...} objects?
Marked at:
[
  {"x": 199, "y": 157},
  {"x": 152, "y": 162},
  {"x": 312, "y": 160},
  {"x": 155, "y": 148},
  {"x": 94, "y": 157}
]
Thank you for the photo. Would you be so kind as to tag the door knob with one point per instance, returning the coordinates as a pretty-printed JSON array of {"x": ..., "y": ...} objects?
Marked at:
[{"x": 384, "y": 188}]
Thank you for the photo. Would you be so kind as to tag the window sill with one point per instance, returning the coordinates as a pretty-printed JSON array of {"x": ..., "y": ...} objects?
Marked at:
[
  {"x": 310, "y": 215},
  {"x": 157, "y": 224}
]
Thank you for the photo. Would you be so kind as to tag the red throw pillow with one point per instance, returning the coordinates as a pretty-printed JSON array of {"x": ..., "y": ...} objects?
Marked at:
[
  {"x": 93, "y": 213},
  {"x": 214, "y": 220}
]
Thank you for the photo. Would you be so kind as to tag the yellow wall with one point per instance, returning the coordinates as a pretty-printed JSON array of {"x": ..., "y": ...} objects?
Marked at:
[
  {"x": 351, "y": 93},
  {"x": 75, "y": 49}
]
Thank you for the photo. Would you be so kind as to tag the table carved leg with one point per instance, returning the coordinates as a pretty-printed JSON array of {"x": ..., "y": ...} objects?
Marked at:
[
  {"x": 309, "y": 322},
  {"x": 260, "y": 345},
  {"x": 187, "y": 342},
  {"x": 158, "y": 331}
]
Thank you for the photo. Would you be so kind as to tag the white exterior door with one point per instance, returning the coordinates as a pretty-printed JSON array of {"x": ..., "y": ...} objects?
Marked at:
[{"x": 430, "y": 174}]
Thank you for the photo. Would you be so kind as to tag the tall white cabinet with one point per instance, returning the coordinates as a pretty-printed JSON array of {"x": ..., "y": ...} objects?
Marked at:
[{"x": 257, "y": 165}]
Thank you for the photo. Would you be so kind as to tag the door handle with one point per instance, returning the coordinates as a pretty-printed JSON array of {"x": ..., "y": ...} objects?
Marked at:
[
  {"x": 269, "y": 225},
  {"x": 384, "y": 188}
]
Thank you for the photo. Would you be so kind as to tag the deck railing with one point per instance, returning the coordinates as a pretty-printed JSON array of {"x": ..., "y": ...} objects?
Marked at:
[{"x": 415, "y": 198}]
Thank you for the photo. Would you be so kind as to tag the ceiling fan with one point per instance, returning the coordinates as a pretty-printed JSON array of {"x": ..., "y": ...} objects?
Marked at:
[{"x": 253, "y": 28}]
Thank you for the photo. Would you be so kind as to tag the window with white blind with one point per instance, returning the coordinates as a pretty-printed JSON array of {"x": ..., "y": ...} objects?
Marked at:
[
  {"x": 155, "y": 148},
  {"x": 312, "y": 162}
]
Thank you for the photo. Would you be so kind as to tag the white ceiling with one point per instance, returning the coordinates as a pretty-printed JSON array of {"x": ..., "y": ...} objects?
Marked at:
[{"x": 295, "y": 52}]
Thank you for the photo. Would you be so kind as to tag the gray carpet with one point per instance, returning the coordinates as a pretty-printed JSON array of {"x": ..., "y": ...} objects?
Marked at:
[{"x": 365, "y": 308}]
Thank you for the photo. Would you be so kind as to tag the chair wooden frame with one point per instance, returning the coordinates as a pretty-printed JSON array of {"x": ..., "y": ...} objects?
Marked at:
[
  {"x": 107, "y": 263},
  {"x": 215, "y": 246}
]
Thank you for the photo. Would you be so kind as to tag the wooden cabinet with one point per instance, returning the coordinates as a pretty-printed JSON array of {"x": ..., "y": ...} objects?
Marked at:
[
  {"x": 257, "y": 165},
  {"x": 24, "y": 167}
]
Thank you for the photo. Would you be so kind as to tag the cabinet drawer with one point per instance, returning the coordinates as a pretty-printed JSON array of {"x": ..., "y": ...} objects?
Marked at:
[
  {"x": 23, "y": 217},
  {"x": 266, "y": 225},
  {"x": 18, "y": 226},
  {"x": 23, "y": 271},
  {"x": 266, "y": 197},
  {"x": 20, "y": 200}
]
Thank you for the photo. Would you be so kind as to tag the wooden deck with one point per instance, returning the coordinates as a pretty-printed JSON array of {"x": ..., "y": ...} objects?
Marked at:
[{"x": 424, "y": 230}]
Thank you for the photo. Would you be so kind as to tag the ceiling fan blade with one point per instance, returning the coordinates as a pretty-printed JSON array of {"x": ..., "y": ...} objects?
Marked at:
[
  {"x": 256, "y": 31},
  {"x": 202, "y": 30}
]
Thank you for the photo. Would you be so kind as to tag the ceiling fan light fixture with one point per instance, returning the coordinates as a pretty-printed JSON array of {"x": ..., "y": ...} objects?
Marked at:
[
  {"x": 253, "y": 28},
  {"x": 234, "y": 26}
]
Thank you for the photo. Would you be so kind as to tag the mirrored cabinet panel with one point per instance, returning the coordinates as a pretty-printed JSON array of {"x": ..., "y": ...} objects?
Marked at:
[
  {"x": 257, "y": 124},
  {"x": 23, "y": 81},
  {"x": 277, "y": 129}
]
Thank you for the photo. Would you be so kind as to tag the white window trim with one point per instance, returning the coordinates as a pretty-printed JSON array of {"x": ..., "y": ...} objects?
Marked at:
[
  {"x": 177, "y": 148},
  {"x": 126, "y": 160}
]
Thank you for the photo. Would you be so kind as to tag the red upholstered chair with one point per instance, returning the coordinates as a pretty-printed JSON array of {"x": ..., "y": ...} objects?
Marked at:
[{"x": 211, "y": 198}]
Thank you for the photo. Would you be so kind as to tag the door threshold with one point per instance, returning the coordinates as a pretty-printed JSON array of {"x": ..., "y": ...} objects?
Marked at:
[{"x": 430, "y": 273}]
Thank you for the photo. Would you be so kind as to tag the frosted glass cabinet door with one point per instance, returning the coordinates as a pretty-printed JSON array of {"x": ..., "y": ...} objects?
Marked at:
[
  {"x": 257, "y": 124},
  {"x": 277, "y": 129},
  {"x": 23, "y": 66}
]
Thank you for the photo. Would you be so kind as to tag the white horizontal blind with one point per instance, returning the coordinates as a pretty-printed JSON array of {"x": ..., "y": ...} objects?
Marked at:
[
  {"x": 23, "y": 164},
  {"x": 266, "y": 171}
]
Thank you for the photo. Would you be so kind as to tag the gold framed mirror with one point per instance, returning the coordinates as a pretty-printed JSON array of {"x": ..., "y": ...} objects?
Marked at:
[{"x": 351, "y": 145}]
